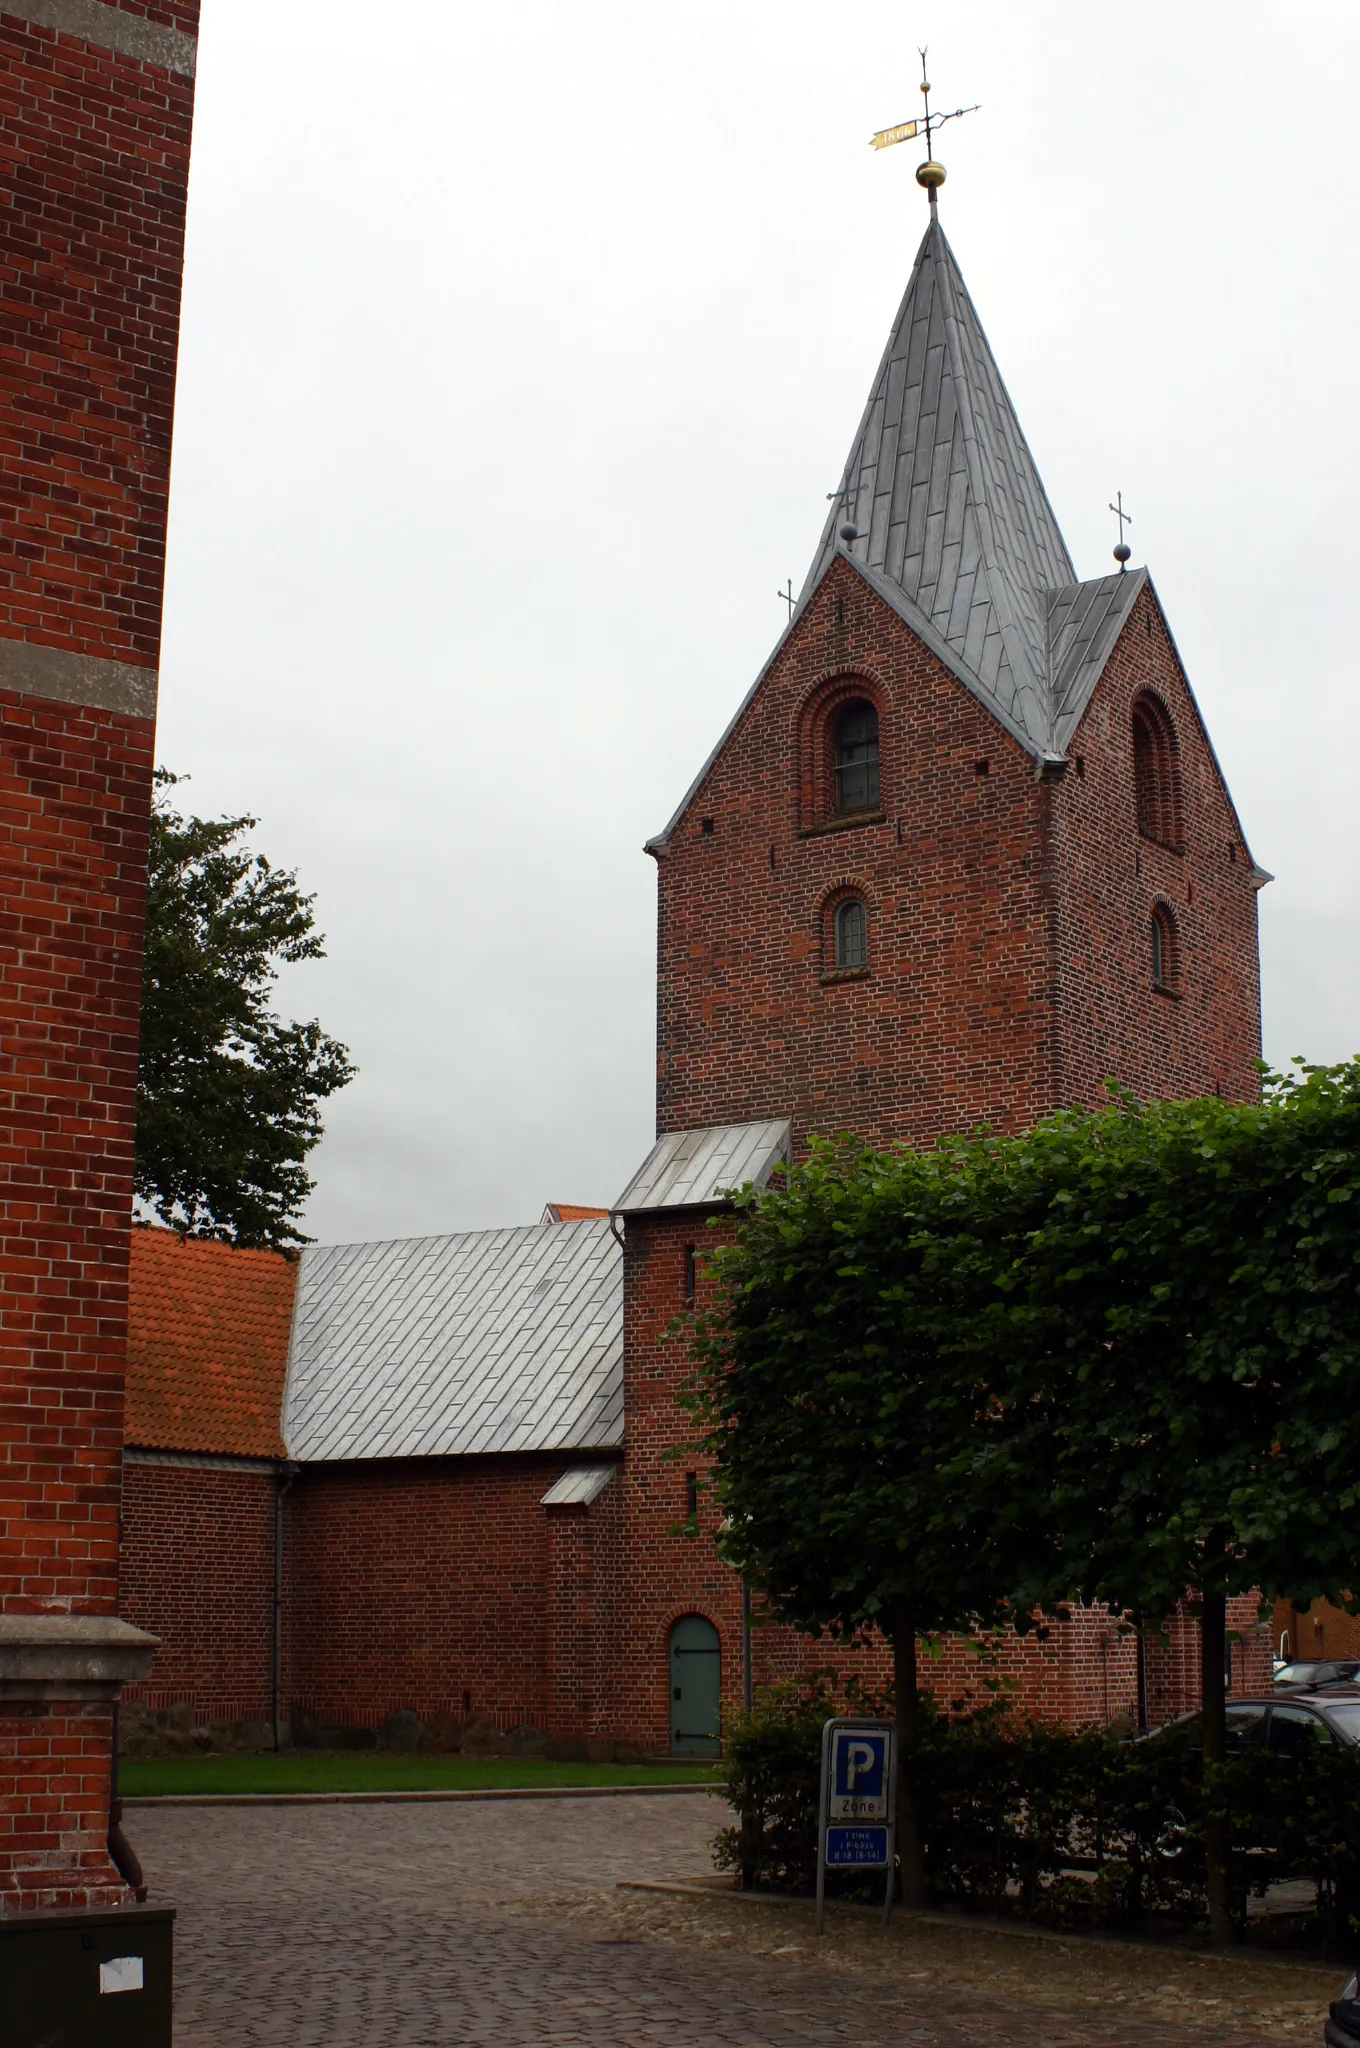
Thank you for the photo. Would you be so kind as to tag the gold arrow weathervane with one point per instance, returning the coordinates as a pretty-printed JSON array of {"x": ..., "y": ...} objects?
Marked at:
[{"x": 930, "y": 175}]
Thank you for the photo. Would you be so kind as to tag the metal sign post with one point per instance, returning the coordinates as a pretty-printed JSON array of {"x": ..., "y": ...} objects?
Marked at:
[{"x": 856, "y": 1816}]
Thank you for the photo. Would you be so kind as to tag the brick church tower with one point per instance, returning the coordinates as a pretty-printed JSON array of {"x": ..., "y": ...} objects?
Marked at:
[
  {"x": 94, "y": 137},
  {"x": 963, "y": 854}
]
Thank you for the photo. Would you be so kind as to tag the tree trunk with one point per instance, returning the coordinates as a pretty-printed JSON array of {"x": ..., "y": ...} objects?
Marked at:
[
  {"x": 1213, "y": 1639},
  {"x": 910, "y": 1847}
]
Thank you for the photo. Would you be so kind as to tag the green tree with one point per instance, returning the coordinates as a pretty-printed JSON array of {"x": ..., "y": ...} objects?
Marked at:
[
  {"x": 1190, "y": 1307},
  {"x": 870, "y": 1475},
  {"x": 228, "y": 1094},
  {"x": 1115, "y": 1359}
]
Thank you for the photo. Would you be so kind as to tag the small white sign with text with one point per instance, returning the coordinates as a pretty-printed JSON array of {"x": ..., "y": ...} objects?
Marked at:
[{"x": 121, "y": 1973}]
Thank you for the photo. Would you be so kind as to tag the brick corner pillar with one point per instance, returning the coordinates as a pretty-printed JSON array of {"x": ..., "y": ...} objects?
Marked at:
[{"x": 96, "y": 106}]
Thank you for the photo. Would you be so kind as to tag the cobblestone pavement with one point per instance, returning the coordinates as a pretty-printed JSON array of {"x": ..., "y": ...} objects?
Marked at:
[{"x": 497, "y": 1924}]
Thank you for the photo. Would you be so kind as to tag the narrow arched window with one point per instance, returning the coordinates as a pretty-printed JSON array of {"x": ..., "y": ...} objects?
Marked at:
[
  {"x": 857, "y": 758},
  {"x": 1165, "y": 963},
  {"x": 1156, "y": 772},
  {"x": 852, "y": 935}
]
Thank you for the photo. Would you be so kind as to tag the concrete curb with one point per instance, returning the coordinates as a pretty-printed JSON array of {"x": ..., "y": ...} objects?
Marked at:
[
  {"x": 970, "y": 1923},
  {"x": 145, "y": 1799}
]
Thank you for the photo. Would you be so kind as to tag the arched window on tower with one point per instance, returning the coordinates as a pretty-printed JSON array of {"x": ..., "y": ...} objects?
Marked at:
[
  {"x": 852, "y": 936},
  {"x": 1165, "y": 950},
  {"x": 856, "y": 741},
  {"x": 1156, "y": 772}
]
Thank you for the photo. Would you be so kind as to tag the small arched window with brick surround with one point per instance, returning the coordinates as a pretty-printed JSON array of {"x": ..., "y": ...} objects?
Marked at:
[
  {"x": 1156, "y": 772},
  {"x": 851, "y": 936},
  {"x": 855, "y": 739},
  {"x": 1165, "y": 950}
]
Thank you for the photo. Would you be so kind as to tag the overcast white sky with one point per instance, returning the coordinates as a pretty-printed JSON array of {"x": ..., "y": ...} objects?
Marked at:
[{"x": 521, "y": 346}]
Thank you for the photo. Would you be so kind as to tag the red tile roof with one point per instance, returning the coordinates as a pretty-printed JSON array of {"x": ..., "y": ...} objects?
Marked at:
[
  {"x": 570, "y": 1212},
  {"x": 207, "y": 1345}
]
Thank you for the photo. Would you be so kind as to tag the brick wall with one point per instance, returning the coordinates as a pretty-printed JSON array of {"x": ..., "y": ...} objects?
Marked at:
[
  {"x": 74, "y": 799},
  {"x": 94, "y": 152},
  {"x": 1110, "y": 1022},
  {"x": 952, "y": 1022},
  {"x": 423, "y": 1583},
  {"x": 1009, "y": 948},
  {"x": 1318, "y": 1630},
  {"x": 54, "y": 1813},
  {"x": 198, "y": 1571}
]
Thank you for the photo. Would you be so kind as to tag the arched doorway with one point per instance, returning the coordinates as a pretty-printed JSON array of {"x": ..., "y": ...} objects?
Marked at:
[{"x": 696, "y": 1688}]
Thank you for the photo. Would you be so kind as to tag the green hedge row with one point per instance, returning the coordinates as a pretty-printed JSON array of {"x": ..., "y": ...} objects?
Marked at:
[{"x": 1067, "y": 1828}]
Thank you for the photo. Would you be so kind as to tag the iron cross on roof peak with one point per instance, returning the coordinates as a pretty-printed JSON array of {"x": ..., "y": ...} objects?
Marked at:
[
  {"x": 1122, "y": 548},
  {"x": 929, "y": 175}
]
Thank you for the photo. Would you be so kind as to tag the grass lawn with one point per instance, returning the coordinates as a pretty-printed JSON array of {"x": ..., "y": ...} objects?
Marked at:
[{"x": 346, "y": 1771}]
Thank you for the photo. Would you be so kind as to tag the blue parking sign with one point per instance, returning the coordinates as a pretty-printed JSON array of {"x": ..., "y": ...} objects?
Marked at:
[
  {"x": 859, "y": 1764},
  {"x": 855, "y": 1822}
]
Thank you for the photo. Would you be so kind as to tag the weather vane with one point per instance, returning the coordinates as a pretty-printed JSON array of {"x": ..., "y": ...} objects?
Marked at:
[
  {"x": 1123, "y": 550},
  {"x": 929, "y": 175}
]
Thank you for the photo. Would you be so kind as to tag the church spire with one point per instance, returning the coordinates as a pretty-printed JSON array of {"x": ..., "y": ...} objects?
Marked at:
[{"x": 942, "y": 509}]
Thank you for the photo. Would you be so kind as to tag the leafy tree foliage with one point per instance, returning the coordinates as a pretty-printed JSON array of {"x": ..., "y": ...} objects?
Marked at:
[
  {"x": 228, "y": 1094},
  {"x": 1117, "y": 1358},
  {"x": 871, "y": 1472},
  {"x": 1200, "y": 1341}
]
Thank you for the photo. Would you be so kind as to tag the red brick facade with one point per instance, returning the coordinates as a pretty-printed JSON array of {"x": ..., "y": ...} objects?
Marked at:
[
  {"x": 95, "y": 150},
  {"x": 1009, "y": 951},
  {"x": 425, "y": 1583},
  {"x": 198, "y": 1571}
]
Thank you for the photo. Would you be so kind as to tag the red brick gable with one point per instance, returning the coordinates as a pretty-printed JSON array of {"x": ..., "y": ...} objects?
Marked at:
[{"x": 208, "y": 1332}]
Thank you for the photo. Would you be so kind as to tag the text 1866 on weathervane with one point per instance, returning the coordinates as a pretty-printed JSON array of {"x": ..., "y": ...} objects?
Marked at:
[{"x": 855, "y": 1821}]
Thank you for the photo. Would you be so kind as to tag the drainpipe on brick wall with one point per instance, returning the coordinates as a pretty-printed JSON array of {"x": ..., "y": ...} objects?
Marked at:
[
  {"x": 282, "y": 1483},
  {"x": 746, "y": 1646}
]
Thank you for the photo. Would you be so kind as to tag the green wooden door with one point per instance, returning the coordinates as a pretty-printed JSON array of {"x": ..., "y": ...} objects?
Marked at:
[{"x": 696, "y": 1688}]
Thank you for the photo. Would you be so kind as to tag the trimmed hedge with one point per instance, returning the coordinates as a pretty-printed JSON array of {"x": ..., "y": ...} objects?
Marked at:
[{"x": 1070, "y": 1829}]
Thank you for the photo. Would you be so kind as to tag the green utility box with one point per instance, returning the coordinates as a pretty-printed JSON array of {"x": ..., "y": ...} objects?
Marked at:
[{"x": 87, "y": 1980}]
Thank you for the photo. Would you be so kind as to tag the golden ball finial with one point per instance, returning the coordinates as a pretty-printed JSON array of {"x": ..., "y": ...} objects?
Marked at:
[{"x": 930, "y": 176}]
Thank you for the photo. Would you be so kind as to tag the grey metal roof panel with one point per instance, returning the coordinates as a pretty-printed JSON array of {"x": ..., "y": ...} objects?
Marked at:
[
  {"x": 578, "y": 1487},
  {"x": 490, "y": 1341},
  {"x": 690, "y": 1169},
  {"x": 1084, "y": 621},
  {"x": 951, "y": 449}
]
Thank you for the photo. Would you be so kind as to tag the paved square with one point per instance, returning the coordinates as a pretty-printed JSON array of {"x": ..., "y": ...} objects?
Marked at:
[{"x": 496, "y": 1924}]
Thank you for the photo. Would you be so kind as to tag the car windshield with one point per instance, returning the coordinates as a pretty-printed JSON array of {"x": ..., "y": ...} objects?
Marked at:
[
  {"x": 1345, "y": 1718},
  {"x": 1314, "y": 1674}
]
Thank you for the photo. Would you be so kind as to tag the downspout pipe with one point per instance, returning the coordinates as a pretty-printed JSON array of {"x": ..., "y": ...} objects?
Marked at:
[{"x": 283, "y": 1481}]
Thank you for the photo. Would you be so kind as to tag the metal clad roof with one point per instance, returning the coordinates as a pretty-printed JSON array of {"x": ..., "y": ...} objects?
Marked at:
[
  {"x": 579, "y": 1487},
  {"x": 1085, "y": 620},
  {"x": 940, "y": 436},
  {"x": 688, "y": 1169},
  {"x": 494, "y": 1340}
]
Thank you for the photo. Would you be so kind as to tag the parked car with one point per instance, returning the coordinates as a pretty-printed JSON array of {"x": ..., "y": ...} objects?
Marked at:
[
  {"x": 1328, "y": 1671},
  {"x": 1286, "y": 1724},
  {"x": 1343, "y": 2028}
]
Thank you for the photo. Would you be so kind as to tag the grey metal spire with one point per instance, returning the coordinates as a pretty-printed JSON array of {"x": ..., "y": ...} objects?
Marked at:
[
  {"x": 955, "y": 528},
  {"x": 955, "y": 531}
]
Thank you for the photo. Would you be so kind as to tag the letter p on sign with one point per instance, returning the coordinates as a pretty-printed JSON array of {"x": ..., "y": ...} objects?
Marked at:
[{"x": 859, "y": 1762}]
